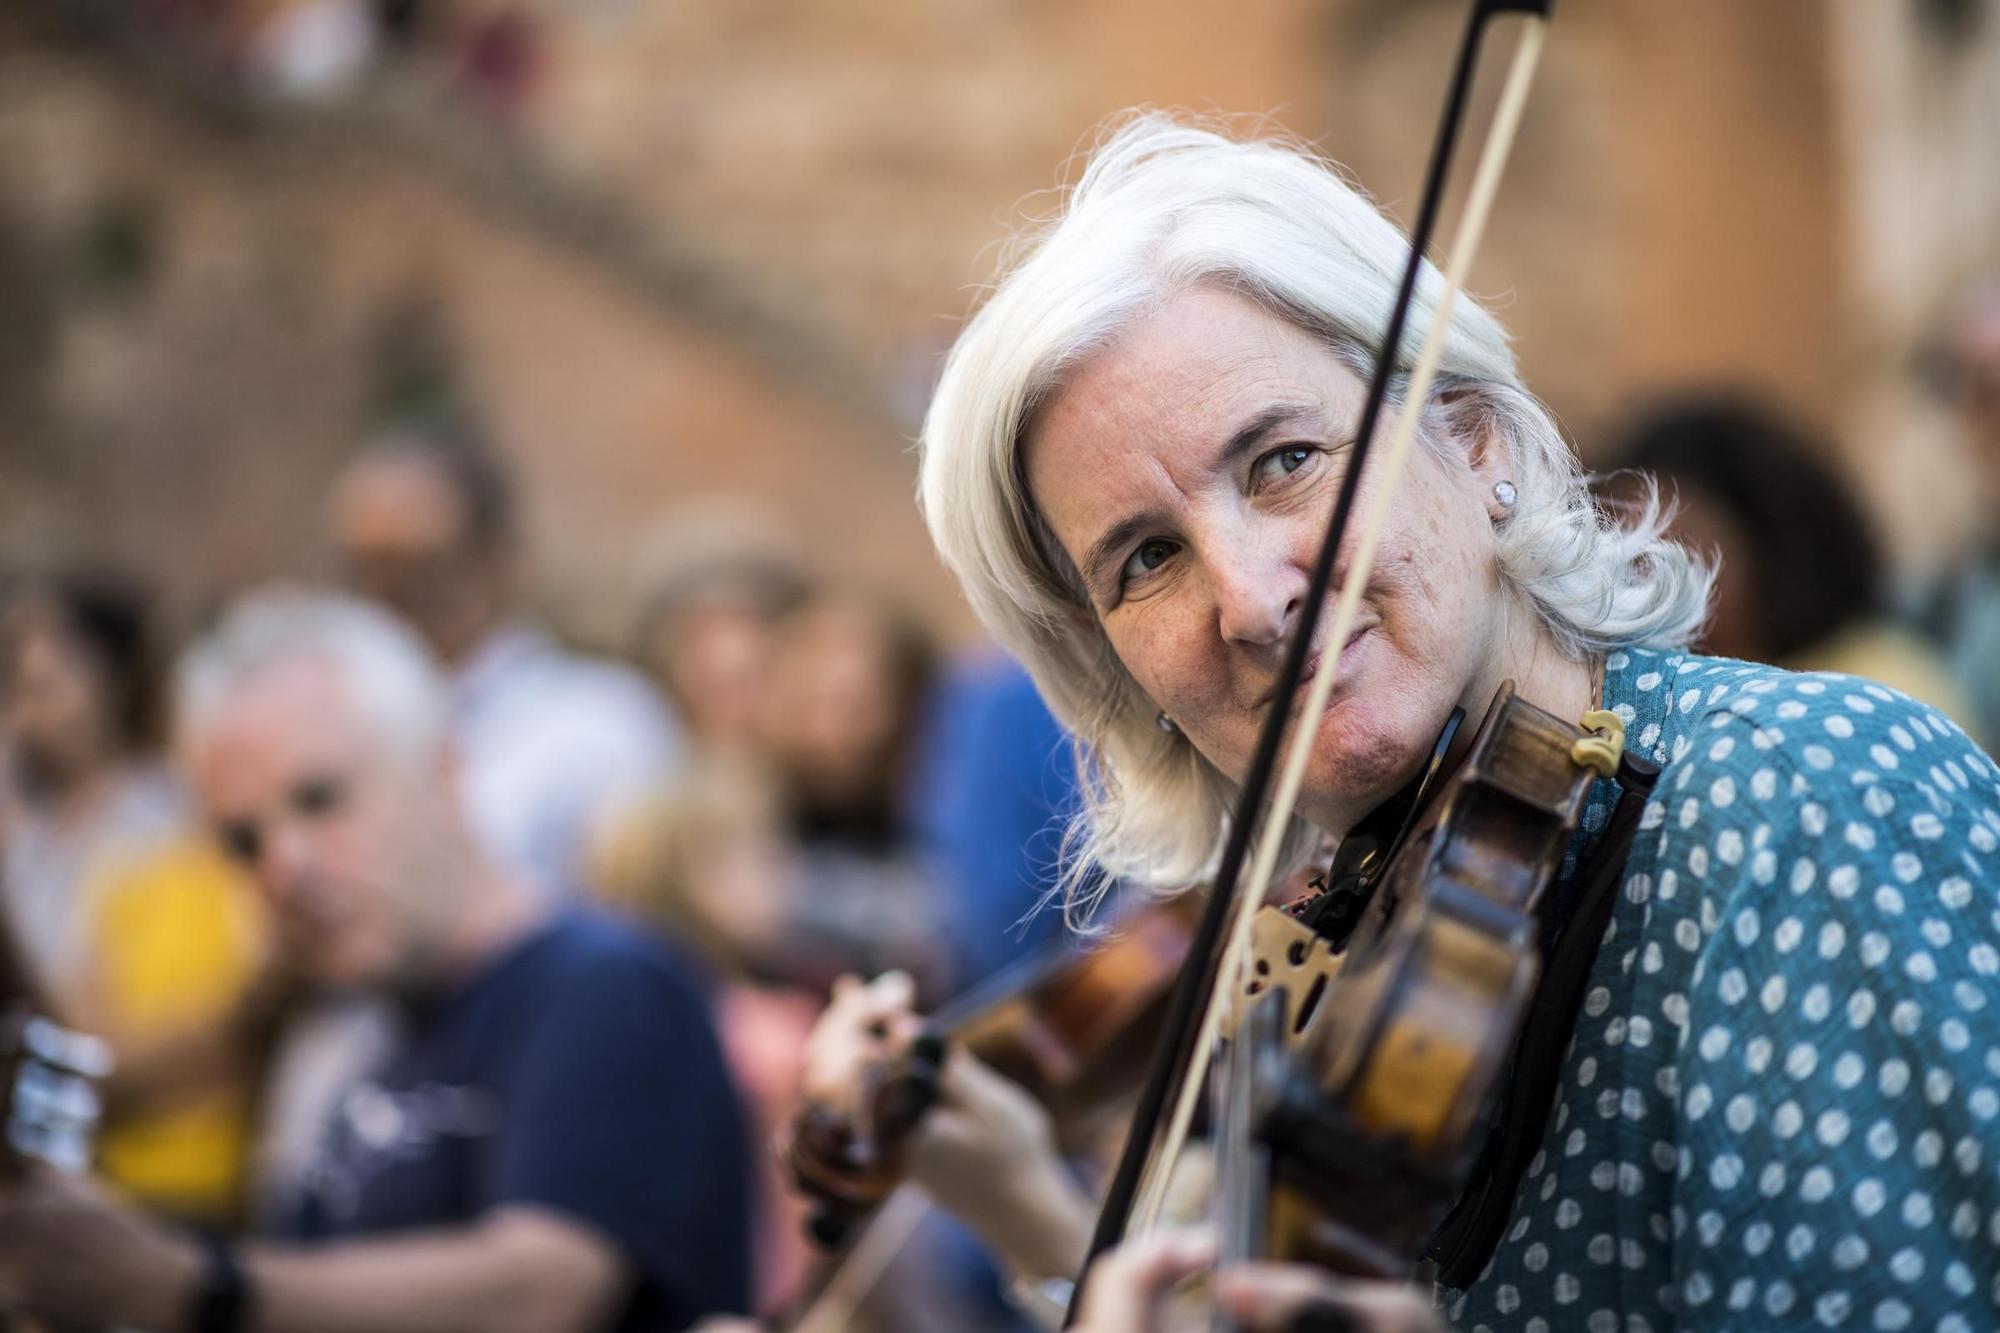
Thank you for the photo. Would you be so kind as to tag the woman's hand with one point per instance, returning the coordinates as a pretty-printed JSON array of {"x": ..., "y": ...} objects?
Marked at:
[
  {"x": 985, "y": 1151},
  {"x": 1282, "y": 1297},
  {"x": 864, "y": 1024},
  {"x": 987, "y": 1154},
  {"x": 1129, "y": 1289},
  {"x": 983, "y": 1127}
]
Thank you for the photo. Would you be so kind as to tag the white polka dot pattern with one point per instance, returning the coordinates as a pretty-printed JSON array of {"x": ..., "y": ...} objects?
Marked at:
[{"x": 1777, "y": 1106}]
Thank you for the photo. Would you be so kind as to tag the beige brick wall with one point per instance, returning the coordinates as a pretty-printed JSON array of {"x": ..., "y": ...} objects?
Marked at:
[{"x": 843, "y": 173}]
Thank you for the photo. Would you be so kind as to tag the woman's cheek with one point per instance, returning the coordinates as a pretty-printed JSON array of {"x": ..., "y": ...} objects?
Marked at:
[{"x": 1162, "y": 655}]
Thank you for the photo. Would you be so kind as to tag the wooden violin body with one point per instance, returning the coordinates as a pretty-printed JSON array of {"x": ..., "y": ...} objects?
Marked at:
[{"x": 1353, "y": 1136}]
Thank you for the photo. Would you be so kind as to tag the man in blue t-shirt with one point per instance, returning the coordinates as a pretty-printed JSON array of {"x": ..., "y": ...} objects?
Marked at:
[{"x": 553, "y": 1146}]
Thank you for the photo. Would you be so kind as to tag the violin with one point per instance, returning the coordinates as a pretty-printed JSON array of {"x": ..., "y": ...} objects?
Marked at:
[
  {"x": 1347, "y": 1133},
  {"x": 1072, "y": 1027}
]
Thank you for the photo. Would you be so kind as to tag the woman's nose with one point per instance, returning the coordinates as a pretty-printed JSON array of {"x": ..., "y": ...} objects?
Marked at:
[{"x": 1256, "y": 600}]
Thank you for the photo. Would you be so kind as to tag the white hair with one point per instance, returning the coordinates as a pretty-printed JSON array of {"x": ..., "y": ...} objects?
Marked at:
[
  {"x": 386, "y": 669},
  {"x": 1164, "y": 207}
]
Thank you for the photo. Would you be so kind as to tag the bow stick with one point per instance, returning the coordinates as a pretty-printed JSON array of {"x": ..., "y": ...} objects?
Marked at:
[{"x": 1180, "y": 1060}]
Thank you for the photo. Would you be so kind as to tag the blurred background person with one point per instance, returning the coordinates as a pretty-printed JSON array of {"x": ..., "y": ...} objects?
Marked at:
[
  {"x": 719, "y": 582},
  {"x": 713, "y": 860},
  {"x": 854, "y": 807},
  {"x": 991, "y": 776},
  {"x": 849, "y": 693},
  {"x": 1802, "y": 584},
  {"x": 139, "y": 931},
  {"x": 551, "y": 742},
  {"x": 1961, "y": 610},
  {"x": 554, "y": 1144},
  {"x": 884, "y": 767},
  {"x": 710, "y": 864},
  {"x": 85, "y": 791},
  {"x": 706, "y": 862}
]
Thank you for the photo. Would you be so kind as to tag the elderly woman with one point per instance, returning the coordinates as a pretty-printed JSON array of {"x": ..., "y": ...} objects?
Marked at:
[{"x": 1775, "y": 1108}]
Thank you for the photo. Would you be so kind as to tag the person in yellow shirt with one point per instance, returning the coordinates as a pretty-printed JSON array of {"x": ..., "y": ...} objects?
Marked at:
[
  {"x": 135, "y": 928},
  {"x": 178, "y": 949}
]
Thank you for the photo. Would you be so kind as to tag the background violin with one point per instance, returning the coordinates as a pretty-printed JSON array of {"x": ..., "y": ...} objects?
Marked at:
[{"x": 1072, "y": 1027}]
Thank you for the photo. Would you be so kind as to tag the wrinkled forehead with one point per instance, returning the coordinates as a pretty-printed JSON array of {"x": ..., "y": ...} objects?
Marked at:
[
  {"x": 1151, "y": 412},
  {"x": 1191, "y": 356}
]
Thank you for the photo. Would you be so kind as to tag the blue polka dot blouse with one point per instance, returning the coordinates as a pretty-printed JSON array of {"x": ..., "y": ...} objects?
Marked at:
[{"x": 1781, "y": 1104}]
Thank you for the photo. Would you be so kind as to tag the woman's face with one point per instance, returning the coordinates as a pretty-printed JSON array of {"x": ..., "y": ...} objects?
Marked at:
[{"x": 1189, "y": 471}]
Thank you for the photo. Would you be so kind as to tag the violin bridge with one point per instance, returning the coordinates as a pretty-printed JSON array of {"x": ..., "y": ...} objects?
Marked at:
[{"x": 1284, "y": 952}]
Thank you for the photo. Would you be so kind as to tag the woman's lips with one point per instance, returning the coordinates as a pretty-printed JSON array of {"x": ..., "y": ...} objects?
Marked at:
[
  {"x": 1313, "y": 659},
  {"x": 1312, "y": 666}
]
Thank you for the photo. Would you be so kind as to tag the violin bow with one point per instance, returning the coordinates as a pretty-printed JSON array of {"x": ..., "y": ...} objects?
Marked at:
[
  {"x": 856, "y": 1271},
  {"x": 1180, "y": 1059}
]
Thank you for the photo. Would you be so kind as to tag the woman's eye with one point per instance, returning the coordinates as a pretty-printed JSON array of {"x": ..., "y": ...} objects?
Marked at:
[
  {"x": 1149, "y": 556},
  {"x": 1281, "y": 463}
]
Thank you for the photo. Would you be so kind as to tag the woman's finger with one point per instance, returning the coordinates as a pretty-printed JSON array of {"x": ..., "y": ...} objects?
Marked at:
[
  {"x": 1276, "y": 1296},
  {"x": 863, "y": 1022},
  {"x": 1127, "y": 1288},
  {"x": 968, "y": 1081},
  {"x": 887, "y": 994},
  {"x": 893, "y": 990}
]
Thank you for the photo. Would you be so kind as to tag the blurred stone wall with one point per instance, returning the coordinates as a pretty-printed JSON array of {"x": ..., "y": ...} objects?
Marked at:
[
  {"x": 726, "y": 242},
  {"x": 181, "y": 403},
  {"x": 1919, "y": 117},
  {"x": 1671, "y": 215}
]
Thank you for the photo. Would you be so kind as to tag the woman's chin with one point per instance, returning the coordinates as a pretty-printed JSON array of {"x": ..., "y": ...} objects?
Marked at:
[{"x": 1362, "y": 761}]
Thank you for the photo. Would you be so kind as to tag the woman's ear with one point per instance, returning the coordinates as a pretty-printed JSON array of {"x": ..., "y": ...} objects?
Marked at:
[{"x": 1477, "y": 429}]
